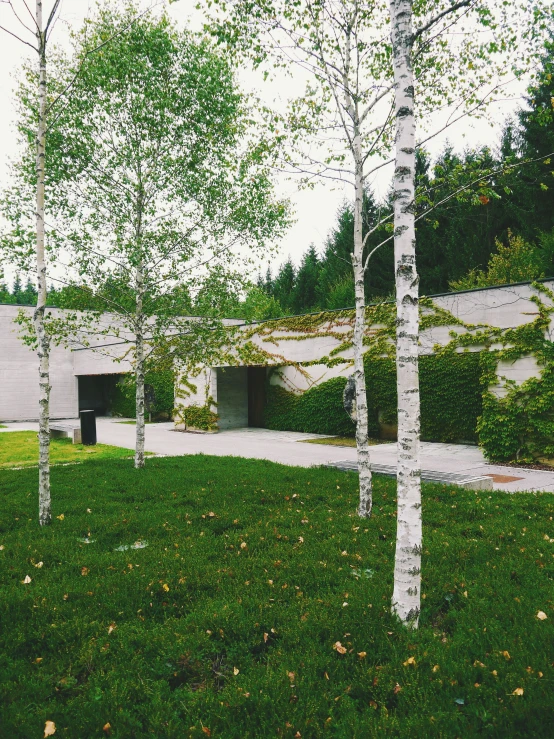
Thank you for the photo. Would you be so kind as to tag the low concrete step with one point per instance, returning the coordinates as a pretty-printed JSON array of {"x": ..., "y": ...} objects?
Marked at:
[{"x": 463, "y": 480}]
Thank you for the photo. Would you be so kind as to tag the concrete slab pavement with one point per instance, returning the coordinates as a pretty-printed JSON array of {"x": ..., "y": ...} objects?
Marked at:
[{"x": 283, "y": 447}]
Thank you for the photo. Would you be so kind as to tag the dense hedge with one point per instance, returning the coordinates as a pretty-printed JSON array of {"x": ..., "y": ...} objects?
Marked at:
[
  {"x": 451, "y": 400},
  {"x": 319, "y": 410},
  {"x": 158, "y": 385}
]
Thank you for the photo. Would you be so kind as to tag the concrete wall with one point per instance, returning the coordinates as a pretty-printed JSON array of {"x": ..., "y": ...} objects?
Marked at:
[
  {"x": 19, "y": 370},
  {"x": 503, "y": 307},
  {"x": 232, "y": 397},
  {"x": 19, "y": 375}
]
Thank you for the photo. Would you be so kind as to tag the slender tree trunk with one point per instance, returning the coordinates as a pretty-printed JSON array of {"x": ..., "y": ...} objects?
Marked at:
[
  {"x": 362, "y": 447},
  {"x": 139, "y": 371},
  {"x": 38, "y": 317},
  {"x": 406, "y": 599}
]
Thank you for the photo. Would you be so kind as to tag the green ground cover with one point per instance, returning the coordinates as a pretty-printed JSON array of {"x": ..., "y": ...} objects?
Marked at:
[
  {"x": 226, "y": 624},
  {"x": 341, "y": 441},
  {"x": 20, "y": 449}
]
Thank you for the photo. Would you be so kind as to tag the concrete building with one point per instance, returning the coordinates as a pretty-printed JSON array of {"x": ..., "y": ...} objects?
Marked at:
[{"x": 302, "y": 352}]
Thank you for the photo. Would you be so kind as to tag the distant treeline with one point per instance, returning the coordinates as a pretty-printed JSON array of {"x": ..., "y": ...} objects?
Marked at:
[{"x": 513, "y": 209}]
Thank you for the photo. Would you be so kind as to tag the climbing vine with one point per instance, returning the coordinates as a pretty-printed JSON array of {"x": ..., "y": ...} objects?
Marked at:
[
  {"x": 464, "y": 396},
  {"x": 517, "y": 420}
]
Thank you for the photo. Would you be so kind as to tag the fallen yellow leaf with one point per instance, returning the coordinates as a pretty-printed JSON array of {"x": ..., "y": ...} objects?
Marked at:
[
  {"x": 362, "y": 655},
  {"x": 84, "y": 571},
  {"x": 39, "y": 564},
  {"x": 436, "y": 668},
  {"x": 244, "y": 545},
  {"x": 236, "y": 670},
  {"x": 61, "y": 517},
  {"x": 111, "y": 627},
  {"x": 518, "y": 691},
  {"x": 165, "y": 586},
  {"x": 107, "y": 727},
  {"x": 505, "y": 654},
  {"x": 49, "y": 728},
  {"x": 27, "y": 580},
  {"x": 339, "y": 648},
  {"x": 409, "y": 661},
  {"x": 541, "y": 615}
]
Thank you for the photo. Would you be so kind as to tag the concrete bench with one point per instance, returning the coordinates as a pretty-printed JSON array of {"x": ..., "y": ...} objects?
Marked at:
[
  {"x": 463, "y": 480},
  {"x": 66, "y": 431}
]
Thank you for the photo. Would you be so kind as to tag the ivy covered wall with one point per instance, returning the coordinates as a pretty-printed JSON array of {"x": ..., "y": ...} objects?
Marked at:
[
  {"x": 451, "y": 400},
  {"x": 486, "y": 369}
]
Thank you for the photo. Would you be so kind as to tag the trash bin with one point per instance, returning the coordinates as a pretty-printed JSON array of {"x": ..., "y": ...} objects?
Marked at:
[{"x": 88, "y": 428}]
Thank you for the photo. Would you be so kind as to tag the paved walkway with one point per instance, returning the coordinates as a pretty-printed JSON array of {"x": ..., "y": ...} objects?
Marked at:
[{"x": 283, "y": 447}]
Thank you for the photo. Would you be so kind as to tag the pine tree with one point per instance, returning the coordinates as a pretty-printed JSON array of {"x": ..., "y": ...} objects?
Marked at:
[
  {"x": 283, "y": 285},
  {"x": 304, "y": 296}
]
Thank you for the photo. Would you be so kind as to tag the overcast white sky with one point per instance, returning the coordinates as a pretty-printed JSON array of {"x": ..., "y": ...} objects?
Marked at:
[{"x": 315, "y": 209}]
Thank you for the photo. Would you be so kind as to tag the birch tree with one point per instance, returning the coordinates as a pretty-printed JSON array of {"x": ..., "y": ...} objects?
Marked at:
[
  {"x": 25, "y": 244},
  {"x": 159, "y": 180},
  {"x": 29, "y": 24},
  {"x": 365, "y": 62},
  {"x": 407, "y": 567}
]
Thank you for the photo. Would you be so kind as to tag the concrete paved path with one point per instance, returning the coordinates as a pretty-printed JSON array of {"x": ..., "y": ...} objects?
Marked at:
[{"x": 283, "y": 447}]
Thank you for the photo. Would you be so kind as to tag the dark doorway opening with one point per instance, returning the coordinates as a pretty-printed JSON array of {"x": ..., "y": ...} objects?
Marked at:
[
  {"x": 256, "y": 396},
  {"x": 96, "y": 392}
]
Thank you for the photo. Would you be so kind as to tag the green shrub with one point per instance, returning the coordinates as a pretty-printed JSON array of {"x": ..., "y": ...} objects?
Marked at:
[
  {"x": 159, "y": 386},
  {"x": 520, "y": 425}
]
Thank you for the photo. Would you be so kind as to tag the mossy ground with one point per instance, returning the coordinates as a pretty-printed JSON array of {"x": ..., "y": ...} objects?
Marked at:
[
  {"x": 20, "y": 449},
  {"x": 224, "y": 625},
  {"x": 341, "y": 441}
]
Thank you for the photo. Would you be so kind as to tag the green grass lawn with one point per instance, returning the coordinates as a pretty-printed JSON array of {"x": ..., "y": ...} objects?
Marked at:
[
  {"x": 20, "y": 449},
  {"x": 225, "y": 624}
]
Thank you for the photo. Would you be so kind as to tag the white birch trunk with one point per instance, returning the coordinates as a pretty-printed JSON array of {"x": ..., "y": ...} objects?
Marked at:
[
  {"x": 362, "y": 447},
  {"x": 38, "y": 316},
  {"x": 139, "y": 372},
  {"x": 406, "y": 599}
]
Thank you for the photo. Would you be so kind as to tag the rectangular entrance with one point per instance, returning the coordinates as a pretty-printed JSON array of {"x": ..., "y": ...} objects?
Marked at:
[
  {"x": 256, "y": 396},
  {"x": 96, "y": 392}
]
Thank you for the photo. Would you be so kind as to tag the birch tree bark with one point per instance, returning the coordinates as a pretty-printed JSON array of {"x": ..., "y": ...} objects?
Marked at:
[
  {"x": 406, "y": 599},
  {"x": 38, "y": 317},
  {"x": 139, "y": 371},
  {"x": 362, "y": 446}
]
